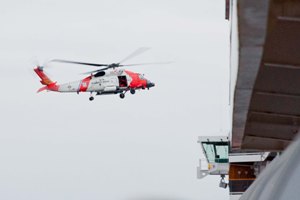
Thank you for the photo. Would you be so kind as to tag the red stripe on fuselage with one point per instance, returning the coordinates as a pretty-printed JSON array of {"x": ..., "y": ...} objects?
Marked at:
[
  {"x": 136, "y": 81},
  {"x": 85, "y": 84}
]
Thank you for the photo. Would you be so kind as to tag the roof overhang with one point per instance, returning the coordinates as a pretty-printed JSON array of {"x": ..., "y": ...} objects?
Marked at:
[{"x": 266, "y": 113}]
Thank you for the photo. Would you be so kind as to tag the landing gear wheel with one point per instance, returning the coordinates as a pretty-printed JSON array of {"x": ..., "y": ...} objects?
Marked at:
[
  {"x": 122, "y": 95},
  {"x": 91, "y": 98},
  {"x": 132, "y": 91}
]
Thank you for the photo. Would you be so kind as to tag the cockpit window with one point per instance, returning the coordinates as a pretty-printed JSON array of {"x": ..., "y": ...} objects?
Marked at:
[{"x": 141, "y": 77}]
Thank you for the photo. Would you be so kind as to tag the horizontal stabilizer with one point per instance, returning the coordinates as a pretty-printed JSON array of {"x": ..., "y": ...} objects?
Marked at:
[{"x": 42, "y": 89}]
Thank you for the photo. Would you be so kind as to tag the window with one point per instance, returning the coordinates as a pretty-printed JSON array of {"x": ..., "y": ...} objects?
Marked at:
[
  {"x": 141, "y": 77},
  {"x": 222, "y": 153},
  {"x": 101, "y": 73},
  {"x": 209, "y": 151},
  {"x": 216, "y": 151}
]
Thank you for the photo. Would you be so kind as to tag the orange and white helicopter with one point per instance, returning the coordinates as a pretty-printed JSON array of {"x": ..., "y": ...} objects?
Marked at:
[{"x": 106, "y": 80}]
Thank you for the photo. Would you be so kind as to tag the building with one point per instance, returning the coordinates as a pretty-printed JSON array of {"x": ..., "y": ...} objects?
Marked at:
[{"x": 265, "y": 87}]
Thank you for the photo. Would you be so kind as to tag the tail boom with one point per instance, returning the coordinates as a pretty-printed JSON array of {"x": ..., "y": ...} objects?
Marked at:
[{"x": 45, "y": 80}]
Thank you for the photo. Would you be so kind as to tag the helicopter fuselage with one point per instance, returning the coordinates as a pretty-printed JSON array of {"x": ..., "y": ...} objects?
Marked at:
[{"x": 104, "y": 82}]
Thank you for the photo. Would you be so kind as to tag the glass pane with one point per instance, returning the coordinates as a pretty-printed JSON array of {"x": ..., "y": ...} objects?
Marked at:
[
  {"x": 209, "y": 151},
  {"x": 222, "y": 151}
]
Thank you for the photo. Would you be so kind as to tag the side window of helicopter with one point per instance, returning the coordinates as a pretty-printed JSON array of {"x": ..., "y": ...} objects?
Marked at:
[{"x": 101, "y": 73}]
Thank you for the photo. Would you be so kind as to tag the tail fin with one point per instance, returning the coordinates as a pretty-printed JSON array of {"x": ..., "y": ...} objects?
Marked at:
[{"x": 45, "y": 80}]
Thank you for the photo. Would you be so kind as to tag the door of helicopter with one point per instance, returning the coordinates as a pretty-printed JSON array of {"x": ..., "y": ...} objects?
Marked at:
[{"x": 122, "y": 81}]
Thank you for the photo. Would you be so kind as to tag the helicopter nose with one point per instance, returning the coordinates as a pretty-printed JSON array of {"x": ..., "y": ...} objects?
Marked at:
[{"x": 150, "y": 84}]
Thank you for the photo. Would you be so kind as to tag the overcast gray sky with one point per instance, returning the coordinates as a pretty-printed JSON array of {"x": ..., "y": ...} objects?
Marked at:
[{"x": 61, "y": 146}]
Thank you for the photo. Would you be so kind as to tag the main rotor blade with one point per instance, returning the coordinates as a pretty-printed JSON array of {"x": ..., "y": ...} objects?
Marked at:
[
  {"x": 98, "y": 70},
  {"x": 91, "y": 72},
  {"x": 135, "y": 53},
  {"x": 79, "y": 63},
  {"x": 154, "y": 63}
]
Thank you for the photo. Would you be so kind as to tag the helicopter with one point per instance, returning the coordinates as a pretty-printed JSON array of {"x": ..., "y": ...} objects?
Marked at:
[{"x": 106, "y": 80}]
